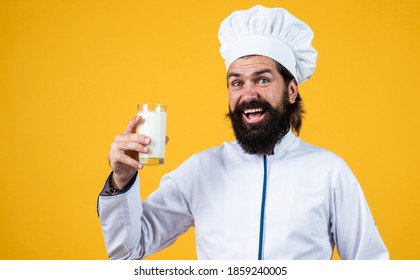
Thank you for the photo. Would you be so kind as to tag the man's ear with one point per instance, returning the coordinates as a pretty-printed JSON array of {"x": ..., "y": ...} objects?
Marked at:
[{"x": 293, "y": 90}]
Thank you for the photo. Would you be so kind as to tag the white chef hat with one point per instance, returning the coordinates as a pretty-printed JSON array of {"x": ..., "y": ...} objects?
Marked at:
[{"x": 271, "y": 32}]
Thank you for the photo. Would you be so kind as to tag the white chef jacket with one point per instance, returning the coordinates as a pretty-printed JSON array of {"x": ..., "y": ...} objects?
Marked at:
[{"x": 313, "y": 202}]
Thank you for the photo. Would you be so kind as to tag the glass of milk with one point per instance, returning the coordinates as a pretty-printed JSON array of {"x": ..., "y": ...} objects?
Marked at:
[{"x": 153, "y": 125}]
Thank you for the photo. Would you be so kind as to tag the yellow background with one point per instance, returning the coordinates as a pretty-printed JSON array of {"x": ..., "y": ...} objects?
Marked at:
[{"x": 72, "y": 73}]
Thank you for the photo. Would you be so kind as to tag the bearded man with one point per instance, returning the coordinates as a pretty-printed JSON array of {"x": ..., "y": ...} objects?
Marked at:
[{"x": 267, "y": 195}]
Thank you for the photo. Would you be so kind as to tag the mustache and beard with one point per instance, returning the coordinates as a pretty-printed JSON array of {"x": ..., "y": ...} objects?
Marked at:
[{"x": 260, "y": 138}]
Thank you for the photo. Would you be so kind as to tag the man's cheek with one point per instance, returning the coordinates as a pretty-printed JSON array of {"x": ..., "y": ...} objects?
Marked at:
[{"x": 232, "y": 106}]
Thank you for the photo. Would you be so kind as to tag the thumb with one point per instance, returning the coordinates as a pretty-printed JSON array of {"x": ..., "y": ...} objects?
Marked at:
[{"x": 132, "y": 125}]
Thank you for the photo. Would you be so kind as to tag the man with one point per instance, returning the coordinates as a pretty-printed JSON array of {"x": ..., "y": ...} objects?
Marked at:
[{"x": 267, "y": 195}]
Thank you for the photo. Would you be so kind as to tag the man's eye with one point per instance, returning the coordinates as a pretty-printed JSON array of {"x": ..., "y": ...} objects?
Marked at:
[
  {"x": 263, "y": 81},
  {"x": 236, "y": 84}
]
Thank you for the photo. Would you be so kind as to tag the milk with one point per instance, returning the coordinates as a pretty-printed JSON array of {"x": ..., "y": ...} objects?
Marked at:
[{"x": 153, "y": 125}]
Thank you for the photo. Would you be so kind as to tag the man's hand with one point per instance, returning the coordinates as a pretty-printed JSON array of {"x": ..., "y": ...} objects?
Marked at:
[{"x": 124, "y": 153}]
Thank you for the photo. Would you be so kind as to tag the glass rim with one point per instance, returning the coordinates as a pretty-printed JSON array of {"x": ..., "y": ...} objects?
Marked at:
[{"x": 151, "y": 107}]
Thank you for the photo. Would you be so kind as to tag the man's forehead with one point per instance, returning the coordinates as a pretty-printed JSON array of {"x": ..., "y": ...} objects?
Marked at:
[{"x": 251, "y": 65}]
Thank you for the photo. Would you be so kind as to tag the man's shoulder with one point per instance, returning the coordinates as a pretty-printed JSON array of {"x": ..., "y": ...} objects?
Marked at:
[
  {"x": 212, "y": 158},
  {"x": 229, "y": 148},
  {"x": 303, "y": 148}
]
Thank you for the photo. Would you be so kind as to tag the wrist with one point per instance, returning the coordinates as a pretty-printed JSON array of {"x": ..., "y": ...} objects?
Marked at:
[{"x": 120, "y": 181}]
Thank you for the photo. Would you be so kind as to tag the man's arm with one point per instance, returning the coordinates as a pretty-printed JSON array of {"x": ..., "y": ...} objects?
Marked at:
[
  {"x": 355, "y": 233},
  {"x": 133, "y": 229}
]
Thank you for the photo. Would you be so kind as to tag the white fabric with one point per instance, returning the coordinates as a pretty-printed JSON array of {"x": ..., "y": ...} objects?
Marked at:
[
  {"x": 272, "y": 32},
  {"x": 313, "y": 202}
]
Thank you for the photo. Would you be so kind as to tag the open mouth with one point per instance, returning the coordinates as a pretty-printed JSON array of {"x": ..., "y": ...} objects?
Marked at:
[{"x": 254, "y": 115}]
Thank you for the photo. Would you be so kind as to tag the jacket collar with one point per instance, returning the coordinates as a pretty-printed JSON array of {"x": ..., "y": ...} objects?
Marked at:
[{"x": 285, "y": 143}]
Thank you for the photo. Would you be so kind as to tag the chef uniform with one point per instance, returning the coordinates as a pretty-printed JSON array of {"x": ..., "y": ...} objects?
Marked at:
[{"x": 297, "y": 203}]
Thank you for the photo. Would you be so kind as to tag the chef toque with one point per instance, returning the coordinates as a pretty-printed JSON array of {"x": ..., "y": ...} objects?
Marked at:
[{"x": 271, "y": 32}]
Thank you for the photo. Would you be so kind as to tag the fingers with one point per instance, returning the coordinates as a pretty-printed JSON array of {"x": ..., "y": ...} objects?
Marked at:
[
  {"x": 125, "y": 150},
  {"x": 126, "y": 146},
  {"x": 133, "y": 137},
  {"x": 119, "y": 162},
  {"x": 132, "y": 125}
]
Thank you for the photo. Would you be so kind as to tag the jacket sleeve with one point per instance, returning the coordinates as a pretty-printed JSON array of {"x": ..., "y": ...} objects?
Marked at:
[
  {"x": 134, "y": 229},
  {"x": 354, "y": 230}
]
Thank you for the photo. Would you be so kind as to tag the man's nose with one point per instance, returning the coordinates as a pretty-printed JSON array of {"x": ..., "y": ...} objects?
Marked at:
[{"x": 250, "y": 93}]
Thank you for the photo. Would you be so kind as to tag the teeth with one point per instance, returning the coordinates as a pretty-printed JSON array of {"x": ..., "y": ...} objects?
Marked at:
[{"x": 250, "y": 111}]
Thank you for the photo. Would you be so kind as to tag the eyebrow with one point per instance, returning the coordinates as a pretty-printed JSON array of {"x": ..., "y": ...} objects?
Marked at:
[{"x": 260, "y": 72}]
